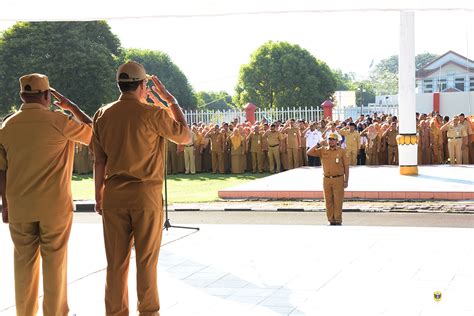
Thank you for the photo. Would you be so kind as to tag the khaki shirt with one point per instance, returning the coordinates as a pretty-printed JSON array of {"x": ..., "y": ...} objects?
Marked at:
[
  {"x": 392, "y": 137},
  {"x": 352, "y": 139},
  {"x": 332, "y": 160},
  {"x": 37, "y": 151},
  {"x": 255, "y": 143},
  {"x": 130, "y": 137},
  {"x": 274, "y": 138},
  {"x": 467, "y": 128},
  {"x": 217, "y": 142},
  {"x": 456, "y": 131},
  {"x": 292, "y": 140}
]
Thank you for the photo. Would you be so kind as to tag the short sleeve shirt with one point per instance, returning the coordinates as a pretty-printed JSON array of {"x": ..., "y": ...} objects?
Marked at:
[
  {"x": 37, "y": 151},
  {"x": 129, "y": 136},
  {"x": 332, "y": 160}
]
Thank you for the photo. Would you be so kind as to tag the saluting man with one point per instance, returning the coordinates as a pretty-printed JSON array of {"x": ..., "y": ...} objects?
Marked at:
[
  {"x": 129, "y": 148},
  {"x": 336, "y": 176},
  {"x": 36, "y": 155}
]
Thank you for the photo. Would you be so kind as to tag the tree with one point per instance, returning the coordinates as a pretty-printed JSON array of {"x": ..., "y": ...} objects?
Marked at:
[
  {"x": 385, "y": 74},
  {"x": 280, "y": 74},
  {"x": 214, "y": 100},
  {"x": 365, "y": 93},
  {"x": 79, "y": 58},
  {"x": 424, "y": 59},
  {"x": 160, "y": 64},
  {"x": 344, "y": 81}
]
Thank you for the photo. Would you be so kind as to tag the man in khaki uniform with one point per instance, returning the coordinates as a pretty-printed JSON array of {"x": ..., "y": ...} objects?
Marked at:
[
  {"x": 255, "y": 142},
  {"x": 456, "y": 139},
  {"x": 352, "y": 138},
  {"x": 36, "y": 155},
  {"x": 336, "y": 177},
  {"x": 172, "y": 157},
  {"x": 189, "y": 160},
  {"x": 437, "y": 142},
  {"x": 273, "y": 139},
  {"x": 129, "y": 141},
  {"x": 217, "y": 149},
  {"x": 293, "y": 142},
  {"x": 391, "y": 136},
  {"x": 466, "y": 142}
]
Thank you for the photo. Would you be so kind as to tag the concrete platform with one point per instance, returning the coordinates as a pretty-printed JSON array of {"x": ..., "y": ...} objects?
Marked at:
[
  {"x": 434, "y": 182},
  {"x": 260, "y": 270}
]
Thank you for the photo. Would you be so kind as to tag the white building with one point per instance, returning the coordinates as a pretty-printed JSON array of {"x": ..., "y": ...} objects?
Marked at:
[
  {"x": 446, "y": 85},
  {"x": 344, "y": 99}
]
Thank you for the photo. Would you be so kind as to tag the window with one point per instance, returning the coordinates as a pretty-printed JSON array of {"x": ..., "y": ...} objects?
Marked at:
[
  {"x": 471, "y": 84},
  {"x": 428, "y": 85},
  {"x": 442, "y": 85},
  {"x": 459, "y": 84}
]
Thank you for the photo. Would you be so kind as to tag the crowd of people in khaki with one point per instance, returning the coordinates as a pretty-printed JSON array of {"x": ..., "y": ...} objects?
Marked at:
[
  {"x": 128, "y": 139},
  {"x": 369, "y": 140}
]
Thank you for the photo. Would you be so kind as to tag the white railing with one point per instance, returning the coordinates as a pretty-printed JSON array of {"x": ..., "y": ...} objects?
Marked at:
[{"x": 303, "y": 113}]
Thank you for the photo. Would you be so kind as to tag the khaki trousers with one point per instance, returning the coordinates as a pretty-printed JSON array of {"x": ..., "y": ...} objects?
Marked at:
[
  {"x": 257, "y": 161},
  {"x": 217, "y": 161},
  {"x": 189, "y": 161},
  {"x": 122, "y": 229},
  {"x": 471, "y": 152},
  {"x": 392, "y": 155},
  {"x": 274, "y": 158},
  {"x": 351, "y": 154},
  {"x": 465, "y": 155},
  {"x": 48, "y": 238},
  {"x": 455, "y": 152},
  {"x": 333, "y": 197},
  {"x": 293, "y": 158},
  {"x": 265, "y": 160}
]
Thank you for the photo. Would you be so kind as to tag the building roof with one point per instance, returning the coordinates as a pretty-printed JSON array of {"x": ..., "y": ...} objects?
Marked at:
[{"x": 449, "y": 57}]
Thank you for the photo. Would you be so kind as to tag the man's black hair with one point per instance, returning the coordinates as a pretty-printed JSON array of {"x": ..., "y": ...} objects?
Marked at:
[{"x": 129, "y": 86}]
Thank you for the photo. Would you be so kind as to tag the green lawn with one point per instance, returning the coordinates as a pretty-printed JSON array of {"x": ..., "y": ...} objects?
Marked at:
[{"x": 181, "y": 188}]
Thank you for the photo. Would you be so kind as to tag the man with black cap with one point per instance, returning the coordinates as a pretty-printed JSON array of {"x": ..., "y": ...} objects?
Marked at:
[
  {"x": 128, "y": 142},
  {"x": 336, "y": 176},
  {"x": 36, "y": 156}
]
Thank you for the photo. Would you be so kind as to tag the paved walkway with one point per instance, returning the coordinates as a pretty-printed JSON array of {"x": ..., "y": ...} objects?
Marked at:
[{"x": 283, "y": 270}]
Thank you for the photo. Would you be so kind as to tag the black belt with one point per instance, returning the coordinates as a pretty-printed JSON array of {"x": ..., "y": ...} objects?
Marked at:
[
  {"x": 331, "y": 177},
  {"x": 454, "y": 137},
  {"x": 273, "y": 145},
  {"x": 188, "y": 145}
]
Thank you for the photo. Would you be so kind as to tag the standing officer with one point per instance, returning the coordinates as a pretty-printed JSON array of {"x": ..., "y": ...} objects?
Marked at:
[
  {"x": 456, "y": 138},
  {"x": 37, "y": 153},
  {"x": 217, "y": 149},
  {"x": 336, "y": 177},
  {"x": 273, "y": 139},
  {"x": 293, "y": 142},
  {"x": 391, "y": 134},
  {"x": 189, "y": 150},
  {"x": 467, "y": 139},
  {"x": 352, "y": 138},
  {"x": 255, "y": 143},
  {"x": 129, "y": 147}
]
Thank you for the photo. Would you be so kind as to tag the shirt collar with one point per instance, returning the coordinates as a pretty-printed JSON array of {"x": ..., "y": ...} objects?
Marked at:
[
  {"x": 127, "y": 96},
  {"x": 33, "y": 106}
]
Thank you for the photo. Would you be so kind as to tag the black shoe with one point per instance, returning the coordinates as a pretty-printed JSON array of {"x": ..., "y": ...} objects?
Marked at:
[
  {"x": 338, "y": 224},
  {"x": 332, "y": 224}
]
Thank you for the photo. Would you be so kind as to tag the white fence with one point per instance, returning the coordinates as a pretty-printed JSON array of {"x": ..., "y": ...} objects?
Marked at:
[{"x": 303, "y": 113}]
